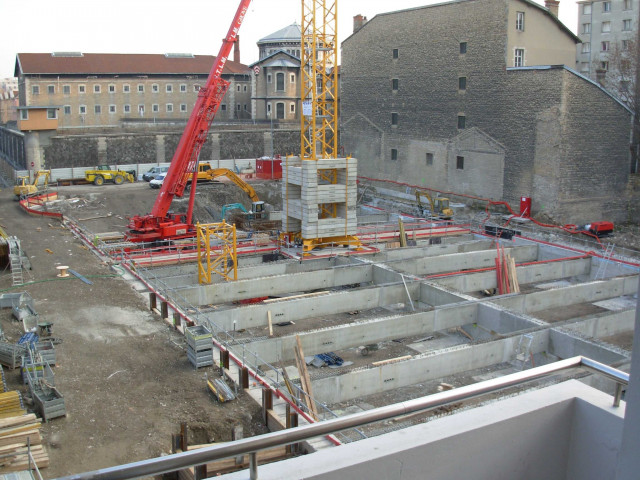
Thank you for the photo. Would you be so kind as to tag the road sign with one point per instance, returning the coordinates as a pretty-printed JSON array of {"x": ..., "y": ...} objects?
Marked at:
[{"x": 256, "y": 69}]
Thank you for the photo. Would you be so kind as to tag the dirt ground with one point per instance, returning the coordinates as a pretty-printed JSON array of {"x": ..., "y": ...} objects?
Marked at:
[{"x": 124, "y": 373}]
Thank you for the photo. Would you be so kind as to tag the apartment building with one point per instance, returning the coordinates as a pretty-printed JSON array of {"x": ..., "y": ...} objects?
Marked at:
[
  {"x": 608, "y": 31},
  {"x": 76, "y": 90}
]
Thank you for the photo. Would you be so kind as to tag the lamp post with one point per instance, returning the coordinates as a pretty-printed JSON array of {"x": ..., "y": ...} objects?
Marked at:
[{"x": 270, "y": 115}]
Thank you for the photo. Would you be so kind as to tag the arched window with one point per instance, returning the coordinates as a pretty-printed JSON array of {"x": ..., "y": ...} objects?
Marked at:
[
  {"x": 280, "y": 81},
  {"x": 280, "y": 111}
]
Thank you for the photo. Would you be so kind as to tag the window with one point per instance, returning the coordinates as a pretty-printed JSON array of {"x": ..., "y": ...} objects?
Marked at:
[
  {"x": 141, "y": 110},
  {"x": 155, "y": 108},
  {"x": 24, "y": 114},
  {"x": 96, "y": 89},
  {"x": 196, "y": 88},
  {"x": 82, "y": 88},
  {"x": 279, "y": 81},
  {"x": 67, "y": 110},
  {"x": 82, "y": 109},
  {"x": 604, "y": 66},
  {"x": 520, "y": 21},
  {"x": 626, "y": 25},
  {"x": 97, "y": 109},
  {"x": 112, "y": 88},
  {"x": 605, "y": 46},
  {"x": 518, "y": 60},
  {"x": 429, "y": 159},
  {"x": 606, "y": 7},
  {"x": 51, "y": 89},
  {"x": 126, "y": 88},
  {"x": 627, "y": 5},
  {"x": 112, "y": 109},
  {"x": 183, "y": 87},
  {"x": 268, "y": 78},
  {"x": 292, "y": 79},
  {"x": 244, "y": 107},
  {"x": 394, "y": 154},
  {"x": 394, "y": 84},
  {"x": 238, "y": 107},
  {"x": 268, "y": 109},
  {"x": 584, "y": 67},
  {"x": 280, "y": 111},
  {"x": 462, "y": 122},
  {"x": 625, "y": 45},
  {"x": 239, "y": 87},
  {"x": 394, "y": 119},
  {"x": 52, "y": 113},
  {"x": 606, "y": 27},
  {"x": 169, "y": 107},
  {"x": 586, "y": 28},
  {"x": 155, "y": 88},
  {"x": 126, "y": 108},
  {"x": 586, "y": 9},
  {"x": 462, "y": 83},
  {"x": 223, "y": 108},
  {"x": 66, "y": 89},
  {"x": 463, "y": 47},
  {"x": 35, "y": 90},
  {"x": 395, "y": 53},
  {"x": 459, "y": 162},
  {"x": 140, "y": 88},
  {"x": 292, "y": 108},
  {"x": 168, "y": 88},
  {"x": 183, "y": 107},
  {"x": 586, "y": 47},
  {"x": 244, "y": 88}
]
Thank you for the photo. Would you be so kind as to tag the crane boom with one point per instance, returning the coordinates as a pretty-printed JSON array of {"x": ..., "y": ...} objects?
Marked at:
[{"x": 159, "y": 224}]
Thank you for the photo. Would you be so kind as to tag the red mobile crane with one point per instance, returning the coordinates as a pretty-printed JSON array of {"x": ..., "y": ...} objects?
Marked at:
[{"x": 160, "y": 224}]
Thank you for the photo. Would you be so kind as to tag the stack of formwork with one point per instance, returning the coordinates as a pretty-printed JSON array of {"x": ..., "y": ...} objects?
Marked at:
[
  {"x": 304, "y": 190},
  {"x": 11, "y": 354},
  {"x": 199, "y": 346},
  {"x": 47, "y": 400},
  {"x": 47, "y": 351}
]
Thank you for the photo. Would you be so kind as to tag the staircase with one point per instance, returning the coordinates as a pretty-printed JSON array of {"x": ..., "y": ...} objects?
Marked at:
[{"x": 15, "y": 261}]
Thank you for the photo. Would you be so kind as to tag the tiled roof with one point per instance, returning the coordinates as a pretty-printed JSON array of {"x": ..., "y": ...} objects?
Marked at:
[{"x": 119, "y": 64}]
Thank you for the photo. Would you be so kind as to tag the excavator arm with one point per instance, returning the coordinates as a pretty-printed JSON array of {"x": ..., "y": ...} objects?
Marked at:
[{"x": 224, "y": 172}]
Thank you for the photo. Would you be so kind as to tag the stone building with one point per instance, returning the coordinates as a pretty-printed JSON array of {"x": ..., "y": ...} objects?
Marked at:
[
  {"x": 276, "y": 76},
  {"x": 475, "y": 97},
  {"x": 105, "y": 90}
]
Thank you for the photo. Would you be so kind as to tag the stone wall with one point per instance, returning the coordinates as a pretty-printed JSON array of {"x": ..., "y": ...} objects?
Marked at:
[{"x": 559, "y": 133}]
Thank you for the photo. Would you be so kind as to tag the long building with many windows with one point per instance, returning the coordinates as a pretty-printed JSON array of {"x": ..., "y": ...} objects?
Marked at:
[{"x": 76, "y": 90}]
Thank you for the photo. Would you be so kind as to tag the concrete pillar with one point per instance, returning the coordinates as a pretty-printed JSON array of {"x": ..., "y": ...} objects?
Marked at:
[
  {"x": 267, "y": 404},
  {"x": 164, "y": 310},
  {"x": 177, "y": 319},
  {"x": 160, "y": 150},
  {"x": 244, "y": 377},
  {"x": 214, "y": 144},
  {"x": 33, "y": 151},
  {"x": 628, "y": 458}
]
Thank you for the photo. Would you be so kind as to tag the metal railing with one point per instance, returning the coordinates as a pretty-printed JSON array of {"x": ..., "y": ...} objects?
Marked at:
[{"x": 250, "y": 446}]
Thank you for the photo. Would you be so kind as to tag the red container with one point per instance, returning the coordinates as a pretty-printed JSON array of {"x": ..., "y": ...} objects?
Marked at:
[
  {"x": 268, "y": 168},
  {"x": 525, "y": 207}
]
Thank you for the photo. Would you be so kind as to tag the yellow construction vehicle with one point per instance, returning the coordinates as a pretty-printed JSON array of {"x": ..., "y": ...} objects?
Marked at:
[
  {"x": 23, "y": 188},
  {"x": 103, "y": 173},
  {"x": 257, "y": 206},
  {"x": 438, "y": 207}
]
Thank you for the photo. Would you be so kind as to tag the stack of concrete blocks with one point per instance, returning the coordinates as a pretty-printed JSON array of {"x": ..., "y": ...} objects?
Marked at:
[
  {"x": 303, "y": 191},
  {"x": 199, "y": 346}
]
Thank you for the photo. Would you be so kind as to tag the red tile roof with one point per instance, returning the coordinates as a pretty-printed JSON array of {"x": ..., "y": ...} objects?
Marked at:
[{"x": 119, "y": 64}]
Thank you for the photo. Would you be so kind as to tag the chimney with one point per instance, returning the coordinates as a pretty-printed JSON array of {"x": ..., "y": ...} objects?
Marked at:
[
  {"x": 358, "y": 22},
  {"x": 600, "y": 76},
  {"x": 553, "y": 6},
  {"x": 236, "y": 49}
]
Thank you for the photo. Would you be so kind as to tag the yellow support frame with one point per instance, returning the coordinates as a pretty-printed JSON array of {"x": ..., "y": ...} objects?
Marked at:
[{"x": 225, "y": 255}]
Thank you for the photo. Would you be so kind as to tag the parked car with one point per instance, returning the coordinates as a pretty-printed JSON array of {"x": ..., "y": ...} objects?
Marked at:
[
  {"x": 153, "y": 173},
  {"x": 157, "y": 182}
]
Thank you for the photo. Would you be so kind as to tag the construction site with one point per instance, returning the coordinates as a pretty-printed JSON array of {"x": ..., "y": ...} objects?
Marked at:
[{"x": 247, "y": 304}]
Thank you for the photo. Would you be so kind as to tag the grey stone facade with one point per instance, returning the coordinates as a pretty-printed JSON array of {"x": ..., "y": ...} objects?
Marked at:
[{"x": 526, "y": 131}]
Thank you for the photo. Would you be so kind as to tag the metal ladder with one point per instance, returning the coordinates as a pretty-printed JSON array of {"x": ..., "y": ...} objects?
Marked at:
[
  {"x": 15, "y": 261},
  {"x": 523, "y": 352},
  {"x": 602, "y": 266}
]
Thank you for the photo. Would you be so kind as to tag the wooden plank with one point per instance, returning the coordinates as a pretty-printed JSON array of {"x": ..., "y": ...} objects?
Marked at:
[
  {"x": 270, "y": 323},
  {"x": 304, "y": 377},
  {"x": 391, "y": 360},
  {"x": 302, "y": 295}
]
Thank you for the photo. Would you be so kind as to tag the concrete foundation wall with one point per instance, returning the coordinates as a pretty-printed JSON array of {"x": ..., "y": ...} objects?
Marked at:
[
  {"x": 277, "y": 285},
  {"x": 364, "y": 333},
  {"x": 605, "y": 324},
  {"x": 327, "y": 304},
  {"x": 562, "y": 344},
  {"x": 434, "y": 296},
  {"x": 559, "y": 297},
  {"x": 501, "y": 321},
  {"x": 476, "y": 282}
]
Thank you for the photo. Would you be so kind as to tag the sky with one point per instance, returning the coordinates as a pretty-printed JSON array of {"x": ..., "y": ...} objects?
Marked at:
[{"x": 168, "y": 26}]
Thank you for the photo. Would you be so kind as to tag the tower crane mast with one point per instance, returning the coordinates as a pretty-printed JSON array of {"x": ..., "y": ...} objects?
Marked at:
[{"x": 160, "y": 224}]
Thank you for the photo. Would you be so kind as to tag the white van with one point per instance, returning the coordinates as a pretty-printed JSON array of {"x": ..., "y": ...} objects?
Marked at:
[{"x": 153, "y": 173}]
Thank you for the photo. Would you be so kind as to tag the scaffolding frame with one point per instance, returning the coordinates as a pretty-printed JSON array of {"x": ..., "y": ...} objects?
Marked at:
[{"x": 217, "y": 251}]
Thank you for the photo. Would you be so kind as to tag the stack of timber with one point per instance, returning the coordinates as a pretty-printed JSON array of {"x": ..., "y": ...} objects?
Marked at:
[
  {"x": 19, "y": 435},
  {"x": 506, "y": 276},
  {"x": 11, "y": 405},
  {"x": 199, "y": 346}
]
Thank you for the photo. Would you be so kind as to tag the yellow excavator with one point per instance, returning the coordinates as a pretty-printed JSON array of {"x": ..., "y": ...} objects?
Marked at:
[
  {"x": 438, "y": 207},
  {"x": 23, "y": 188},
  {"x": 257, "y": 206}
]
